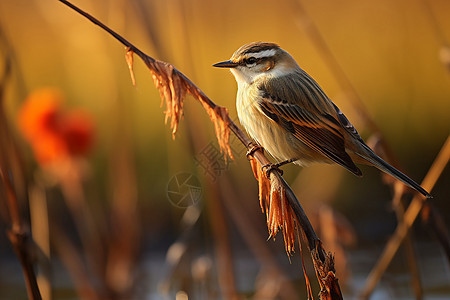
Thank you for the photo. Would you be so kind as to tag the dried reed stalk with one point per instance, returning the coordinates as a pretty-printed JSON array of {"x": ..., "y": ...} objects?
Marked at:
[
  {"x": 222, "y": 246},
  {"x": 41, "y": 236},
  {"x": 18, "y": 232},
  {"x": 103, "y": 267},
  {"x": 124, "y": 236},
  {"x": 444, "y": 51},
  {"x": 72, "y": 258},
  {"x": 256, "y": 244},
  {"x": 430, "y": 216},
  {"x": 277, "y": 199},
  {"x": 399, "y": 207},
  {"x": 409, "y": 217},
  {"x": 20, "y": 238}
]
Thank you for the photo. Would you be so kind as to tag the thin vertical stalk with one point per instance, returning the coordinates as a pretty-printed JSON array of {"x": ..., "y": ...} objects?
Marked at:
[
  {"x": 71, "y": 257},
  {"x": 18, "y": 234},
  {"x": 222, "y": 244},
  {"x": 20, "y": 239},
  {"x": 399, "y": 207},
  {"x": 255, "y": 243},
  {"x": 409, "y": 217},
  {"x": 41, "y": 236}
]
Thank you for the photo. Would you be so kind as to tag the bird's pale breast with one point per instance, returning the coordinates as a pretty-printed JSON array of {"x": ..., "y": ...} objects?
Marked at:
[{"x": 281, "y": 144}]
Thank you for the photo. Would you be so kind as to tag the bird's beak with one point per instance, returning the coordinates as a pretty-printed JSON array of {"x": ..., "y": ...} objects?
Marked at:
[{"x": 226, "y": 64}]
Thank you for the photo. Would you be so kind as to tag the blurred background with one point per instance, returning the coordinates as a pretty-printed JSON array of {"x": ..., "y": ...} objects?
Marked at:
[{"x": 137, "y": 214}]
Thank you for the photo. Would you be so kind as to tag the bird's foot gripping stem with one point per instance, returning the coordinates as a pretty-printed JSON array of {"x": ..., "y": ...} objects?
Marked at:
[
  {"x": 271, "y": 167},
  {"x": 276, "y": 167},
  {"x": 252, "y": 149}
]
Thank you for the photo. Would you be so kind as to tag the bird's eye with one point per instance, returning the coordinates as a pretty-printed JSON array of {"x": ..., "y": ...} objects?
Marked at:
[{"x": 250, "y": 60}]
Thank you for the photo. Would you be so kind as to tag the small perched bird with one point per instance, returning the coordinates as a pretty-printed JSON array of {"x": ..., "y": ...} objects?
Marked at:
[{"x": 289, "y": 115}]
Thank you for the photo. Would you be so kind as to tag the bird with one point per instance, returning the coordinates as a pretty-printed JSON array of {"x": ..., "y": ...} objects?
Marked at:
[{"x": 288, "y": 114}]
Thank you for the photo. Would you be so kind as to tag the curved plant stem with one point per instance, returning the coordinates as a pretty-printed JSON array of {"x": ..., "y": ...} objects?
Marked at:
[{"x": 173, "y": 85}]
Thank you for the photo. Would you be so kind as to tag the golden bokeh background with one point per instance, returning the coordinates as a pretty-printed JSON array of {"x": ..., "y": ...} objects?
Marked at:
[{"x": 393, "y": 53}]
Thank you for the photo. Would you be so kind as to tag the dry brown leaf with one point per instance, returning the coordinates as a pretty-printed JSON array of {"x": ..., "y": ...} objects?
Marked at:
[
  {"x": 219, "y": 116},
  {"x": 173, "y": 86},
  {"x": 263, "y": 186},
  {"x": 275, "y": 214},
  {"x": 329, "y": 286},
  {"x": 171, "y": 89},
  {"x": 307, "y": 282},
  {"x": 274, "y": 203},
  {"x": 129, "y": 58},
  {"x": 288, "y": 224}
]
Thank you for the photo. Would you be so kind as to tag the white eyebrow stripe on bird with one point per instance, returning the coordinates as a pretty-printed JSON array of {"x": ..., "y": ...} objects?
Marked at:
[{"x": 261, "y": 54}]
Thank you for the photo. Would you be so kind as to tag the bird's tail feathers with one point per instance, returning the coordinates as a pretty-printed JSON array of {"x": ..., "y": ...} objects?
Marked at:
[{"x": 378, "y": 162}]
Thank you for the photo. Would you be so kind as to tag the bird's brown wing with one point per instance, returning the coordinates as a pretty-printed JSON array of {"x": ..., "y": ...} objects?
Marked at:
[{"x": 316, "y": 128}]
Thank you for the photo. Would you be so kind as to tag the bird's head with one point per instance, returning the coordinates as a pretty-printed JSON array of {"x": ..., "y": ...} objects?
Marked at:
[{"x": 259, "y": 59}]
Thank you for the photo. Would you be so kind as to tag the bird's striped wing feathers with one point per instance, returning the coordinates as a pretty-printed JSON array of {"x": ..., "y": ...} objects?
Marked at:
[
  {"x": 346, "y": 124},
  {"x": 319, "y": 130}
]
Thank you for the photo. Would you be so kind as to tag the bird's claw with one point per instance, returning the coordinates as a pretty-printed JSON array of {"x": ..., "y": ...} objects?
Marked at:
[
  {"x": 271, "y": 167},
  {"x": 253, "y": 149}
]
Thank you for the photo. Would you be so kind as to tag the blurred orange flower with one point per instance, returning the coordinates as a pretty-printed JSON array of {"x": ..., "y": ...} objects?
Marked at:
[{"x": 53, "y": 133}]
